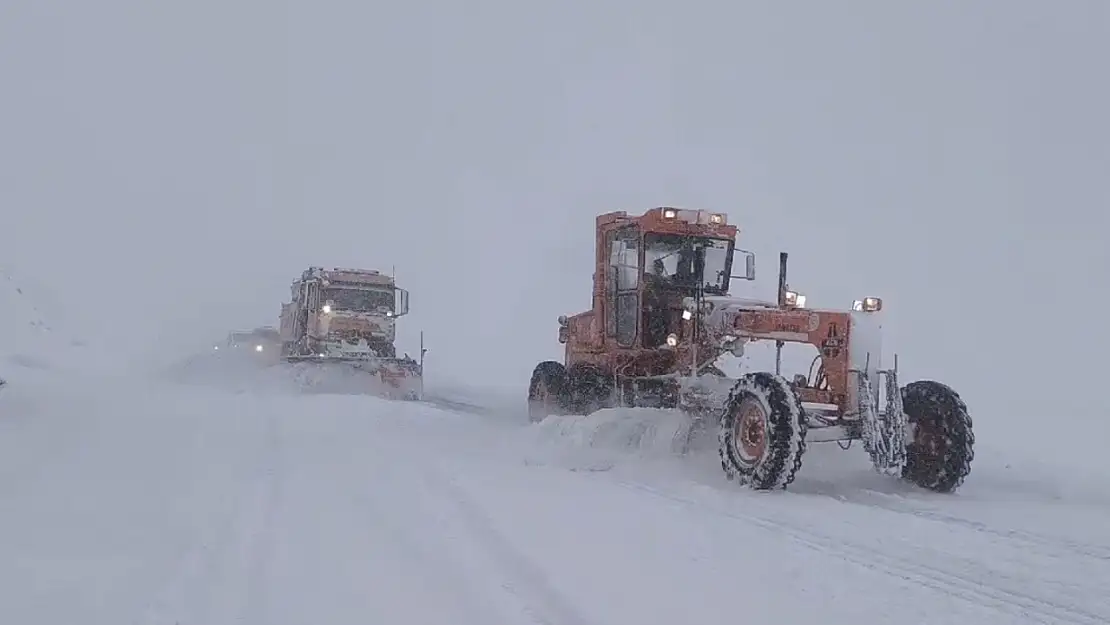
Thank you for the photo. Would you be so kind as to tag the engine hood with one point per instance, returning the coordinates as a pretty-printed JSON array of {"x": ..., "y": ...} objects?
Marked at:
[
  {"x": 719, "y": 310},
  {"x": 720, "y": 316}
]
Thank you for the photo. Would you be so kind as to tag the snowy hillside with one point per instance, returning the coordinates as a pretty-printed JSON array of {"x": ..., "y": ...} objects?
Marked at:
[{"x": 29, "y": 340}]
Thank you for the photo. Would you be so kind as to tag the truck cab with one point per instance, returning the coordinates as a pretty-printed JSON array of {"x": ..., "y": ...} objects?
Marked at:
[{"x": 344, "y": 312}]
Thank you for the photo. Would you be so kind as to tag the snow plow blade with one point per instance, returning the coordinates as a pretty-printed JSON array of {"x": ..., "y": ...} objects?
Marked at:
[{"x": 392, "y": 378}]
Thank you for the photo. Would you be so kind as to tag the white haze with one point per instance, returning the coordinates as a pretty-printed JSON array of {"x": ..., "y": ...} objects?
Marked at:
[{"x": 168, "y": 168}]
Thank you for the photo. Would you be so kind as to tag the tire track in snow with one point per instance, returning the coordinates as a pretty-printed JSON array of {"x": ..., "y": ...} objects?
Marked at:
[
  {"x": 458, "y": 588},
  {"x": 261, "y": 551},
  {"x": 524, "y": 579},
  {"x": 977, "y": 590},
  {"x": 197, "y": 563},
  {"x": 220, "y": 577},
  {"x": 900, "y": 505}
]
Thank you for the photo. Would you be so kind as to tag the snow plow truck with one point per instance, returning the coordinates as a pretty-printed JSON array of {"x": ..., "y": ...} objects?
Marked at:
[
  {"x": 661, "y": 317},
  {"x": 347, "y": 318}
]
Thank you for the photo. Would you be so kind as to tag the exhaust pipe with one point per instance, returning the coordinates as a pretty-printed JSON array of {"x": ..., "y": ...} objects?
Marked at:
[{"x": 782, "y": 303}]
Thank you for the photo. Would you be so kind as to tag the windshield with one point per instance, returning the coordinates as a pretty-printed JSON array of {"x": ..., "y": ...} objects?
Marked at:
[
  {"x": 361, "y": 300},
  {"x": 672, "y": 259}
]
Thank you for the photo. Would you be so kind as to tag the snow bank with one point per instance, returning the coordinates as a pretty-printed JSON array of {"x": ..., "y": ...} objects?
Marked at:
[
  {"x": 639, "y": 442},
  {"x": 250, "y": 372},
  {"x": 604, "y": 439}
]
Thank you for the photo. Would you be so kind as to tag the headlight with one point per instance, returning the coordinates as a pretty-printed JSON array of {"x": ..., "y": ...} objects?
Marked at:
[
  {"x": 257, "y": 348},
  {"x": 669, "y": 213},
  {"x": 868, "y": 304},
  {"x": 672, "y": 340},
  {"x": 326, "y": 309},
  {"x": 794, "y": 299},
  {"x": 717, "y": 219}
]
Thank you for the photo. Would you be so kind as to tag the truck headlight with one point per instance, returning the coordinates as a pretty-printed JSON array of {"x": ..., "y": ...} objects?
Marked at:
[
  {"x": 326, "y": 309},
  {"x": 868, "y": 304},
  {"x": 669, "y": 213},
  {"x": 794, "y": 299},
  {"x": 257, "y": 348},
  {"x": 717, "y": 219}
]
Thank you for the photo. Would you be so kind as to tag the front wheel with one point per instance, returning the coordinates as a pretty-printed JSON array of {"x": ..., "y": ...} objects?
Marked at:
[
  {"x": 547, "y": 392},
  {"x": 761, "y": 437},
  {"x": 588, "y": 389},
  {"x": 942, "y": 445}
]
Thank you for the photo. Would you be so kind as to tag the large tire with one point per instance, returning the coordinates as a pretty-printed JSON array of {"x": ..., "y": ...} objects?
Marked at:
[
  {"x": 589, "y": 389},
  {"x": 940, "y": 451},
  {"x": 547, "y": 392},
  {"x": 761, "y": 437}
]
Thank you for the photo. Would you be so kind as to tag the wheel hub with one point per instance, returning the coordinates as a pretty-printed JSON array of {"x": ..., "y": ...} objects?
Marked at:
[{"x": 750, "y": 433}]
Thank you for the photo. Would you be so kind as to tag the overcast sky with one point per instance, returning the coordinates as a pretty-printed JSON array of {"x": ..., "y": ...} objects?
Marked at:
[{"x": 168, "y": 168}]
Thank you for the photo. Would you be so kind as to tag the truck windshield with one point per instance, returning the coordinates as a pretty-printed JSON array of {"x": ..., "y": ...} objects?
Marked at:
[
  {"x": 360, "y": 300},
  {"x": 672, "y": 260}
]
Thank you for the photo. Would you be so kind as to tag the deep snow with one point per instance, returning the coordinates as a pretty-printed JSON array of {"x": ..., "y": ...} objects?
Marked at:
[
  {"x": 949, "y": 157},
  {"x": 181, "y": 501}
]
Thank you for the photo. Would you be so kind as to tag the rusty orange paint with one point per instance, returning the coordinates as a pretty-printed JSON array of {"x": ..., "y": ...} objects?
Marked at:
[{"x": 588, "y": 342}]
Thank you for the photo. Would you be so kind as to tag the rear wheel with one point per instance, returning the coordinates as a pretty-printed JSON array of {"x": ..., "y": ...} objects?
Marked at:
[
  {"x": 547, "y": 392},
  {"x": 941, "y": 448},
  {"x": 762, "y": 432}
]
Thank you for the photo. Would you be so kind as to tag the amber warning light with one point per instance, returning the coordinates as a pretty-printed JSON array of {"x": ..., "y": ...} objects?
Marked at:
[
  {"x": 695, "y": 216},
  {"x": 868, "y": 304}
]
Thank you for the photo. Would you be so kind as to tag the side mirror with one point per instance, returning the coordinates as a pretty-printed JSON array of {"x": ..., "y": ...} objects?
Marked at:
[
  {"x": 400, "y": 302},
  {"x": 749, "y": 265},
  {"x": 563, "y": 320}
]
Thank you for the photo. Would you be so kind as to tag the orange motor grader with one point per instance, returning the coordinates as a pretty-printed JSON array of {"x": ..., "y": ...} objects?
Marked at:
[{"x": 662, "y": 315}]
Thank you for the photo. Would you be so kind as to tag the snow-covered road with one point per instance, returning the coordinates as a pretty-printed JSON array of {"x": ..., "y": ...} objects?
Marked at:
[{"x": 159, "y": 504}]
